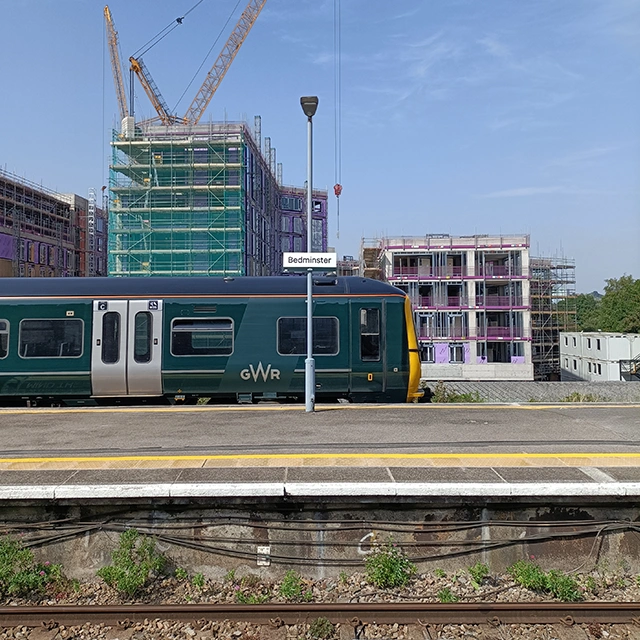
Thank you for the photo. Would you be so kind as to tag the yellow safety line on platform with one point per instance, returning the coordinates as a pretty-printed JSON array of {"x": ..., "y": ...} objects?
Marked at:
[
  {"x": 377, "y": 407},
  {"x": 321, "y": 456}
]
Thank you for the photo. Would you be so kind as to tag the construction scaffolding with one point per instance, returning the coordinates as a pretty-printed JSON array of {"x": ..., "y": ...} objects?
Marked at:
[
  {"x": 553, "y": 309},
  {"x": 44, "y": 233},
  {"x": 192, "y": 200},
  {"x": 371, "y": 258}
]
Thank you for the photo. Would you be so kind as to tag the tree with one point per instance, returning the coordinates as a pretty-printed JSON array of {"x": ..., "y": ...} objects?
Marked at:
[
  {"x": 619, "y": 309},
  {"x": 587, "y": 312}
]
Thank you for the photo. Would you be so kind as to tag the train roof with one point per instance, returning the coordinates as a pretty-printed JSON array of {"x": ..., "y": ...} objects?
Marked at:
[{"x": 159, "y": 286}]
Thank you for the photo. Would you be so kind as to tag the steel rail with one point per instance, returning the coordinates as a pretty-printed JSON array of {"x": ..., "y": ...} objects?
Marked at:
[{"x": 350, "y": 613}]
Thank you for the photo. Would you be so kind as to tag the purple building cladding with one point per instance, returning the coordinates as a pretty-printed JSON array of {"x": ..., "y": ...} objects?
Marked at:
[{"x": 7, "y": 245}]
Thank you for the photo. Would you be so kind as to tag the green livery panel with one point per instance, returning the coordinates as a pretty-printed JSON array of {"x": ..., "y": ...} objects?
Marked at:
[{"x": 179, "y": 341}]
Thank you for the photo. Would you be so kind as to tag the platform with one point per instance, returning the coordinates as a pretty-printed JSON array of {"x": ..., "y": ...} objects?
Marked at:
[{"x": 340, "y": 450}]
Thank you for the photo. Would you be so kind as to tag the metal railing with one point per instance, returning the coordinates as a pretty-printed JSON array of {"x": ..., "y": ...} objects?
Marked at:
[
  {"x": 488, "y": 270},
  {"x": 498, "y": 301},
  {"x": 426, "y": 273},
  {"x": 454, "y": 302},
  {"x": 501, "y": 332}
]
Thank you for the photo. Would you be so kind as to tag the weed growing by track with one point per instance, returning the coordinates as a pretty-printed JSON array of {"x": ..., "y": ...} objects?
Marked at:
[
  {"x": 293, "y": 588},
  {"x": 321, "y": 629},
  {"x": 446, "y": 596},
  {"x": 478, "y": 572},
  {"x": 388, "y": 566},
  {"x": 442, "y": 394},
  {"x": 21, "y": 575},
  {"x": 135, "y": 561},
  {"x": 560, "y": 585},
  {"x": 576, "y": 396}
]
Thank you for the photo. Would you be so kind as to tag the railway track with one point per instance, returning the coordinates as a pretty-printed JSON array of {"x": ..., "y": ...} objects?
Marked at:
[{"x": 356, "y": 614}]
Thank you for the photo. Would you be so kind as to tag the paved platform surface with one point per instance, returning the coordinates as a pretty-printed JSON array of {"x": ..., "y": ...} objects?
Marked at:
[{"x": 354, "y": 450}]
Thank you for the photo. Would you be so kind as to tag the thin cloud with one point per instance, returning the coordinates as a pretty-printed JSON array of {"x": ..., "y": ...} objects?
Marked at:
[
  {"x": 526, "y": 192},
  {"x": 585, "y": 156},
  {"x": 407, "y": 14}
]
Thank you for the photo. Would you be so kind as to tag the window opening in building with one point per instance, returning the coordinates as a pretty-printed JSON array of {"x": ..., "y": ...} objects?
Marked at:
[
  {"x": 456, "y": 353},
  {"x": 51, "y": 338},
  {"x": 111, "y": 337},
  {"x": 599, "y": 369},
  {"x": 370, "y": 335},
  {"x": 142, "y": 337},
  {"x": 292, "y": 336},
  {"x": 428, "y": 353},
  {"x": 598, "y": 344},
  {"x": 575, "y": 364}
]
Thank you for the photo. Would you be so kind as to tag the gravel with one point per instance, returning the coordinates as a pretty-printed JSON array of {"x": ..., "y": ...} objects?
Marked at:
[{"x": 353, "y": 588}]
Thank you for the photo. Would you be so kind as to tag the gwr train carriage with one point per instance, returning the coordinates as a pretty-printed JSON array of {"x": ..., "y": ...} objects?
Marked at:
[{"x": 179, "y": 339}]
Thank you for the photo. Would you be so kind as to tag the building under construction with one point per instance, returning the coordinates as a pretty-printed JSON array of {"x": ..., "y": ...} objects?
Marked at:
[
  {"x": 553, "y": 309},
  {"x": 44, "y": 233},
  {"x": 193, "y": 199},
  {"x": 483, "y": 308}
]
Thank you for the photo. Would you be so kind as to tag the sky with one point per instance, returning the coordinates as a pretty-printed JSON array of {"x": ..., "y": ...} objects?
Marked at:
[{"x": 454, "y": 116}]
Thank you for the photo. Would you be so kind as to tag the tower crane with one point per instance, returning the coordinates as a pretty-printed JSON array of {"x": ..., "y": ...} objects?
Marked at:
[
  {"x": 151, "y": 89},
  {"x": 115, "y": 63},
  {"x": 210, "y": 84},
  {"x": 223, "y": 62}
]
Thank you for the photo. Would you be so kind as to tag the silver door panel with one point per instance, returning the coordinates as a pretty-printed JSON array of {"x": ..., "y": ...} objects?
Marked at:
[{"x": 109, "y": 378}]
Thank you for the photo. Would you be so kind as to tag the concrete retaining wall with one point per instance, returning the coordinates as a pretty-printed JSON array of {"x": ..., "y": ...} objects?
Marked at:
[
  {"x": 514, "y": 391},
  {"x": 323, "y": 539}
]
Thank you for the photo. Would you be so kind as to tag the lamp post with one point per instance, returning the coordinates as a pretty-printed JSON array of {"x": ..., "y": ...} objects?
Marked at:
[{"x": 309, "y": 105}]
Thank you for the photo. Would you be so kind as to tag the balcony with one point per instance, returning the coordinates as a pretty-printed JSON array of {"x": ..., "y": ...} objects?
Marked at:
[
  {"x": 501, "y": 332},
  {"x": 450, "y": 302},
  {"x": 498, "y": 271},
  {"x": 457, "y": 333},
  {"x": 499, "y": 302},
  {"x": 427, "y": 273}
]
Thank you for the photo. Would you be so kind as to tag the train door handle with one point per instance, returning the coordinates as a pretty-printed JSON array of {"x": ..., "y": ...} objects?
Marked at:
[
  {"x": 155, "y": 341},
  {"x": 98, "y": 342}
]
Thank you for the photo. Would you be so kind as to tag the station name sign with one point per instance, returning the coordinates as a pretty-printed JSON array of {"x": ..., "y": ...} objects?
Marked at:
[{"x": 309, "y": 260}]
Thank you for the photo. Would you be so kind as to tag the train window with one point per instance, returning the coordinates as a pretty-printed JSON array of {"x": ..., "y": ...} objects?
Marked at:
[
  {"x": 111, "y": 337},
  {"x": 142, "y": 337},
  {"x": 4, "y": 338},
  {"x": 202, "y": 337},
  {"x": 370, "y": 334},
  {"x": 292, "y": 336},
  {"x": 51, "y": 338}
]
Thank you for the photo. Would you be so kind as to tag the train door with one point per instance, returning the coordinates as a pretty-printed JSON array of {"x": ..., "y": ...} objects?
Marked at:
[
  {"x": 368, "y": 348},
  {"x": 108, "y": 348},
  {"x": 144, "y": 352},
  {"x": 126, "y": 348}
]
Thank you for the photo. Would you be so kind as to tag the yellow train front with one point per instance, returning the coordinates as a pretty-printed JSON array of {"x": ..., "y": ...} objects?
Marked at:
[{"x": 180, "y": 339}]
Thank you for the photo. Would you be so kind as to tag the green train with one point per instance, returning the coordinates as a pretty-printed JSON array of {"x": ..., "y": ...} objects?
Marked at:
[{"x": 115, "y": 340}]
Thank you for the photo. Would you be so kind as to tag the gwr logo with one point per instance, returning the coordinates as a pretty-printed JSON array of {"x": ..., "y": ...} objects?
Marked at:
[{"x": 260, "y": 372}]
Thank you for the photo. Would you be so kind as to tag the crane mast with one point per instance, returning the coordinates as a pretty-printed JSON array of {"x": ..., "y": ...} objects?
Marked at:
[
  {"x": 115, "y": 63},
  {"x": 223, "y": 62}
]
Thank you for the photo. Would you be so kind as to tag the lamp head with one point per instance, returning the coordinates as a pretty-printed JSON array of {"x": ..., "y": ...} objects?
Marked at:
[{"x": 309, "y": 105}]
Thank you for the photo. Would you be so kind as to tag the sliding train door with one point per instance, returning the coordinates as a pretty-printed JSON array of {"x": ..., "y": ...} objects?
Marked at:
[
  {"x": 126, "y": 348},
  {"x": 368, "y": 352},
  {"x": 108, "y": 348},
  {"x": 144, "y": 352}
]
